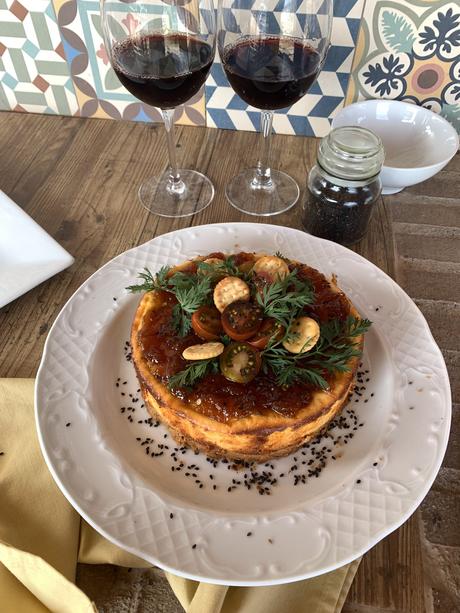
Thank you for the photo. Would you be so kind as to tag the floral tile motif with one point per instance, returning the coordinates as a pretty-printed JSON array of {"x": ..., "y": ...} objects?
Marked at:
[
  {"x": 97, "y": 88},
  {"x": 310, "y": 116},
  {"x": 34, "y": 75},
  {"x": 410, "y": 50}
]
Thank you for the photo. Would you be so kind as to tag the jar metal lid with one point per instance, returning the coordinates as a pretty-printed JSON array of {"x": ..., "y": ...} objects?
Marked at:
[{"x": 351, "y": 152}]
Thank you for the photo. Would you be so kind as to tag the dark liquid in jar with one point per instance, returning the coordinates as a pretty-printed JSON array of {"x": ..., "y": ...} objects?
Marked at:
[{"x": 337, "y": 213}]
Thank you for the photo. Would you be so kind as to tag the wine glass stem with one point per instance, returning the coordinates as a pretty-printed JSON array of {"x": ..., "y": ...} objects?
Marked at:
[
  {"x": 175, "y": 183},
  {"x": 263, "y": 178}
]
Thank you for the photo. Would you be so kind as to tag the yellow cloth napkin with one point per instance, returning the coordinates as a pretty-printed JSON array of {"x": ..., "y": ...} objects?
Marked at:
[{"x": 42, "y": 538}]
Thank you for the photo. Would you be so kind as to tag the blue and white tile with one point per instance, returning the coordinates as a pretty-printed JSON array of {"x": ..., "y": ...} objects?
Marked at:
[
  {"x": 34, "y": 75},
  {"x": 313, "y": 114}
]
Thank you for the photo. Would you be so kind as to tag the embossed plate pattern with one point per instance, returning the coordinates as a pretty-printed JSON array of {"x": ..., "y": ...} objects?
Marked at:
[{"x": 297, "y": 532}]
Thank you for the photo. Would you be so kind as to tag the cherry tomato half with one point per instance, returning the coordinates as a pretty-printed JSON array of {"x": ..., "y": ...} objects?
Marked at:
[
  {"x": 240, "y": 362},
  {"x": 241, "y": 320},
  {"x": 269, "y": 328},
  {"x": 207, "y": 324}
]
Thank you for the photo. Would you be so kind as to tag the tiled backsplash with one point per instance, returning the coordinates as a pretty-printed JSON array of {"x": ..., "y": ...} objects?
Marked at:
[
  {"x": 410, "y": 50},
  {"x": 52, "y": 60}
]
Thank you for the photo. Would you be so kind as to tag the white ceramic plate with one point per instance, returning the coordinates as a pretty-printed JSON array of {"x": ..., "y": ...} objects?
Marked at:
[
  {"x": 381, "y": 476},
  {"x": 28, "y": 255}
]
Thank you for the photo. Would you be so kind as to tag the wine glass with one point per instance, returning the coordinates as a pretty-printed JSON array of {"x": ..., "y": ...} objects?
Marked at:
[
  {"x": 271, "y": 59},
  {"x": 162, "y": 51}
]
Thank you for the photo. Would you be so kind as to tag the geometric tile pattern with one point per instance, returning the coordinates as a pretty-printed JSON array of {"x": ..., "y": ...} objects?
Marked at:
[
  {"x": 313, "y": 114},
  {"x": 99, "y": 92},
  {"x": 410, "y": 51},
  {"x": 34, "y": 75},
  {"x": 53, "y": 60}
]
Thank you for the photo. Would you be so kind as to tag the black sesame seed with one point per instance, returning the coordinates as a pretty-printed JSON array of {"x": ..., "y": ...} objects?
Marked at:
[
  {"x": 171, "y": 515},
  {"x": 249, "y": 534},
  {"x": 194, "y": 546},
  {"x": 68, "y": 424}
]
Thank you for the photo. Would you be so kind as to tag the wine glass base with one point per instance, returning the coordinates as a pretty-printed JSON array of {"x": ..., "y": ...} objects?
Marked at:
[
  {"x": 274, "y": 199},
  {"x": 196, "y": 195}
]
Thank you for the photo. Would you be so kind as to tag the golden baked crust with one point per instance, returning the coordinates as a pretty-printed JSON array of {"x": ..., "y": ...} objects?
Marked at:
[{"x": 256, "y": 434}]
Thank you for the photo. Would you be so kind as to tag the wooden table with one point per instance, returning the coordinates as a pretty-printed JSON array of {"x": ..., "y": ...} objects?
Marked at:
[{"x": 78, "y": 179}]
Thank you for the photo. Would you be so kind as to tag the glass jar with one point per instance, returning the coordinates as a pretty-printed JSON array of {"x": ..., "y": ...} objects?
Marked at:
[{"x": 344, "y": 185}]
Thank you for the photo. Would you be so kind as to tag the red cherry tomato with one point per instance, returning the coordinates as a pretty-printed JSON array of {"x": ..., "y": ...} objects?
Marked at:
[
  {"x": 207, "y": 324},
  {"x": 241, "y": 320},
  {"x": 240, "y": 362},
  {"x": 269, "y": 328}
]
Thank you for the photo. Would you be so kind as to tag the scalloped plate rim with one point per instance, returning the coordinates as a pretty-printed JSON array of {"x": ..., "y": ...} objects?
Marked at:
[{"x": 258, "y": 582}]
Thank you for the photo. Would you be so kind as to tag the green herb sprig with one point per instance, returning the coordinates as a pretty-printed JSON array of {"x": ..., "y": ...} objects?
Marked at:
[
  {"x": 282, "y": 257},
  {"x": 332, "y": 353},
  {"x": 225, "y": 267},
  {"x": 281, "y": 302},
  {"x": 190, "y": 290},
  {"x": 150, "y": 282},
  {"x": 189, "y": 298},
  {"x": 193, "y": 373}
]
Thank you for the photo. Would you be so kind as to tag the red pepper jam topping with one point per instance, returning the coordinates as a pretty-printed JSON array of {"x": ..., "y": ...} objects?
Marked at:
[
  {"x": 329, "y": 303},
  {"x": 217, "y": 397}
]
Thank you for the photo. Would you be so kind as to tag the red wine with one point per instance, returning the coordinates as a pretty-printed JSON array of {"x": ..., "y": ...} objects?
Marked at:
[
  {"x": 162, "y": 70},
  {"x": 271, "y": 73}
]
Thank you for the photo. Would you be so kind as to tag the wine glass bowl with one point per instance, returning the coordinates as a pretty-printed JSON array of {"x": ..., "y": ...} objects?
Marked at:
[
  {"x": 181, "y": 66},
  {"x": 162, "y": 53},
  {"x": 271, "y": 58}
]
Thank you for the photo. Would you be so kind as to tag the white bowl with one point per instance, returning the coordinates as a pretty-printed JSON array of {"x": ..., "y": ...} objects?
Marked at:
[{"x": 418, "y": 143}]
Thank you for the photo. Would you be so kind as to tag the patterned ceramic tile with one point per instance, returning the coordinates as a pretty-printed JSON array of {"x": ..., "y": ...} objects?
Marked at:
[
  {"x": 34, "y": 75},
  {"x": 313, "y": 114},
  {"x": 98, "y": 90},
  {"x": 410, "y": 50}
]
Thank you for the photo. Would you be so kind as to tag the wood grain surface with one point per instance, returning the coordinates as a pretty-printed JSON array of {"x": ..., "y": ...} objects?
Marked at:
[{"x": 78, "y": 178}]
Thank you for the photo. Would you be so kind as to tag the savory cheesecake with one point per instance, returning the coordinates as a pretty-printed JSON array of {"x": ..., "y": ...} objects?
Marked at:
[{"x": 245, "y": 356}]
